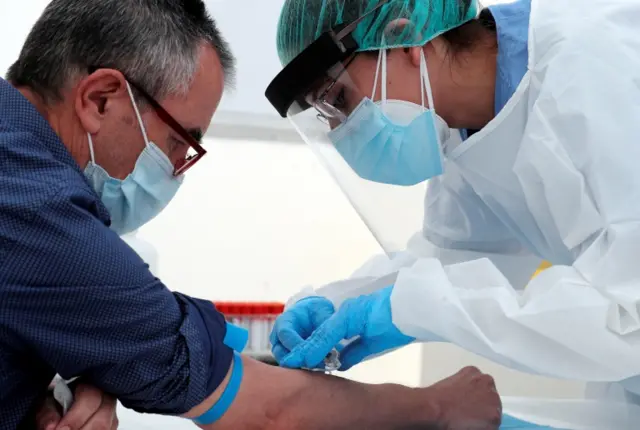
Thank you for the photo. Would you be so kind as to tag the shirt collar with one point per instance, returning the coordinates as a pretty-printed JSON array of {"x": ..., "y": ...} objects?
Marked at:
[
  {"x": 17, "y": 113},
  {"x": 512, "y": 31}
]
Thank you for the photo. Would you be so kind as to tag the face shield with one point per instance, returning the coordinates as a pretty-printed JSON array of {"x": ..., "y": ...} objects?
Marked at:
[{"x": 381, "y": 153}]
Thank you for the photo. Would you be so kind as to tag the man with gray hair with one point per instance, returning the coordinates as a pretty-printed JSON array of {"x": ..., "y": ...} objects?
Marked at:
[{"x": 101, "y": 116}]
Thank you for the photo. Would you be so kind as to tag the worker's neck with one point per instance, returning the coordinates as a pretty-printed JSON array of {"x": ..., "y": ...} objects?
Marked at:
[
  {"x": 64, "y": 122},
  {"x": 472, "y": 88}
]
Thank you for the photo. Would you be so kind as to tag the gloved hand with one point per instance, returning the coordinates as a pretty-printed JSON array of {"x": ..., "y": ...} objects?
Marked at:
[
  {"x": 297, "y": 323},
  {"x": 368, "y": 317}
]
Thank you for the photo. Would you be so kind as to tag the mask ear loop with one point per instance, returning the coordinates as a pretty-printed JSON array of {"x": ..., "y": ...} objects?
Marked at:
[
  {"x": 383, "y": 82},
  {"x": 137, "y": 111},
  {"x": 423, "y": 69},
  {"x": 91, "y": 154},
  {"x": 424, "y": 73},
  {"x": 381, "y": 64},
  {"x": 375, "y": 80}
]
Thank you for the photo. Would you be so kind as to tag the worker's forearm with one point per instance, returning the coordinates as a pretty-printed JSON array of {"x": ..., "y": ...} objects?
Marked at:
[{"x": 275, "y": 398}]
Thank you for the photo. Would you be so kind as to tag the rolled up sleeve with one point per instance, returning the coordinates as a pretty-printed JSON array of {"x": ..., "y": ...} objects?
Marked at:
[{"x": 87, "y": 305}]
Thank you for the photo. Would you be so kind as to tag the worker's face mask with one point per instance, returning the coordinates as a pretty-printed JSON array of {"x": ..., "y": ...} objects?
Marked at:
[
  {"x": 393, "y": 141},
  {"x": 144, "y": 193}
]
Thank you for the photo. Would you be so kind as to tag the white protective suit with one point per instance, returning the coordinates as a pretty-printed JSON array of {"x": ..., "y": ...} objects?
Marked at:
[{"x": 554, "y": 176}]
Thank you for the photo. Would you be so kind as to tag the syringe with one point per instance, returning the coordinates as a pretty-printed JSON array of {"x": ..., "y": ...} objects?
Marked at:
[{"x": 332, "y": 361}]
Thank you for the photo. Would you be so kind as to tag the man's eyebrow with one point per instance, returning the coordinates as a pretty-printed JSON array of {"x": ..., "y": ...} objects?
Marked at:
[{"x": 196, "y": 133}]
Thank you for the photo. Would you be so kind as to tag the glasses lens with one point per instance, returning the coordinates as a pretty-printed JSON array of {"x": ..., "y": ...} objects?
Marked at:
[
  {"x": 185, "y": 163},
  {"x": 191, "y": 153},
  {"x": 329, "y": 112}
]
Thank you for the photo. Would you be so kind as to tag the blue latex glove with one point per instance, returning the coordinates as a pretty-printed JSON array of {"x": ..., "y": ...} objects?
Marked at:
[
  {"x": 368, "y": 317},
  {"x": 512, "y": 423},
  {"x": 297, "y": 323}
]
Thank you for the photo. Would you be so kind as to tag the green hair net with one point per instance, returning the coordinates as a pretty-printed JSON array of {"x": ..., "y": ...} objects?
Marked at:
[{"x": 303, "y": 21}]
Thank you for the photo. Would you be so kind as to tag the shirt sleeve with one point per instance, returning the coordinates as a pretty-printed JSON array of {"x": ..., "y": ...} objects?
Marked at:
[{"x": 88, "y": 306}]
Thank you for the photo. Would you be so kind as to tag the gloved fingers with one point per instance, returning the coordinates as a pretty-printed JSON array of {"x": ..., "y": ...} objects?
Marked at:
[
  {"x": 354, "y": 353},
  {"x": 319, "y": 312},
  {"x": 273, "y": 336},
  {"x": 312, "y": 352},
  {"x": 289, "y": 337},
  {"x": 279, "y": 351},
  {"x": 297, "y": 324},
  {"x": 288, "y": 328}
]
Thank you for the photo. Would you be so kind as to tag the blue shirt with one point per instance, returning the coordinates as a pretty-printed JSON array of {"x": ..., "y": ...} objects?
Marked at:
[
  {"x": 77, "y": 300},
  {"x": 512, "y": 34}
]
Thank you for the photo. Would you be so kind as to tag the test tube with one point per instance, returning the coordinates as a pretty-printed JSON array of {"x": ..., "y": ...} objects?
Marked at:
[
  {"x": 264, "y": 327},
  {"x": 246, "y": 317},
  {"x": 232, "y": 316},
  {"x": 255, "y": 330},
  {"x": 272, "y": 313}
]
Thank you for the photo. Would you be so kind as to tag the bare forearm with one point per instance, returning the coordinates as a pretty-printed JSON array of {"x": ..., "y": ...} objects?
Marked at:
[
  {"x": 332, "y": 402},
  {"x": 272, "y": 398}
]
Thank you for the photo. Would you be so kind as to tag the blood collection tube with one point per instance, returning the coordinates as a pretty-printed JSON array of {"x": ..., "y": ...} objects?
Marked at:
[
  {"x": 231, "y": 314},
  {"x": 255, "y": 332},
  {"x": 264, "y": 324},
  {"x": 246, "y": 317}
]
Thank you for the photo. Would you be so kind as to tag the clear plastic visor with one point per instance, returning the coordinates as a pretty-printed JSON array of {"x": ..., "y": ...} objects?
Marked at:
[{"x": 392, "y": 213}]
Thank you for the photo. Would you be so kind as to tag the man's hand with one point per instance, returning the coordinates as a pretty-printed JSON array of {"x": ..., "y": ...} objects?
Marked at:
[
  {"x": 91, "y": 410},
  {"x": 467, "y": 400}
]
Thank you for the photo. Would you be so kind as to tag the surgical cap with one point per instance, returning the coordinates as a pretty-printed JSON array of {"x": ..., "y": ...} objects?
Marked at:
[{"x": 303, "y": 21}]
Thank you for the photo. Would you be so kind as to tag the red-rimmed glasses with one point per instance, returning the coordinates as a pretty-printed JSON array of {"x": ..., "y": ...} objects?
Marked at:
[{"x": 196, "y": 150}]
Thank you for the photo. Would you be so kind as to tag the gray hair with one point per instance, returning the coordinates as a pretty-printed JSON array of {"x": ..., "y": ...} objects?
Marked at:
[{"x": 152, "y": 42}]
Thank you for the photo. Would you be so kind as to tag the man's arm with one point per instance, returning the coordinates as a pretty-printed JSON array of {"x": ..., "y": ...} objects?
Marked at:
[
  {"x": 82, "y": 301},
  {"x": 275, "y": 398}
]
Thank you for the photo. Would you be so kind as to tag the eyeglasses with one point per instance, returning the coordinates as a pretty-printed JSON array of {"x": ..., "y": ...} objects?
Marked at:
[
  {"x": 196, "y": 150},
  {"x": 327, "y": 112}
]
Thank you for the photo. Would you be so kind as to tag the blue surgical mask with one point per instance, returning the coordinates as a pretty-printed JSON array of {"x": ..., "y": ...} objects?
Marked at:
[
  {"x": 393, "y": 141},
  {"x": 144, "y": 193}
]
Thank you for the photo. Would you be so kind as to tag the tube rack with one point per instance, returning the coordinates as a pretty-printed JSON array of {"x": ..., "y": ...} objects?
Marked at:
[{"x": 256, "y": 317}]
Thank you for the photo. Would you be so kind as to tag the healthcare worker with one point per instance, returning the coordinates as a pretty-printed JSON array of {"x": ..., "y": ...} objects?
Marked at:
[
  {"x": 519, "y": 123},
  {"x": 101, "y": 119}
]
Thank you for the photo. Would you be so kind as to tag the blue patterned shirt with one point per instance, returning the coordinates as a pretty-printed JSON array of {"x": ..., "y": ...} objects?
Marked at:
[{"x": 77, "y": 300}]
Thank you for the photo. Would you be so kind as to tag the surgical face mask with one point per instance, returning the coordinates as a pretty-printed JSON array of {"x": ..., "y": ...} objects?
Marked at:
[
  {"x": 144, "y": 193},
  {"x": 393, "y": 141}
]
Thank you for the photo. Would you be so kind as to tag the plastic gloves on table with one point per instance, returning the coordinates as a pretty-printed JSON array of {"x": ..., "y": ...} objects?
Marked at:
[{"x": 304, "y": 334}]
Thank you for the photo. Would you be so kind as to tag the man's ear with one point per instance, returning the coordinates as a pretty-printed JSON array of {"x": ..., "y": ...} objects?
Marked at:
[{"x": 94, "y": 95}]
